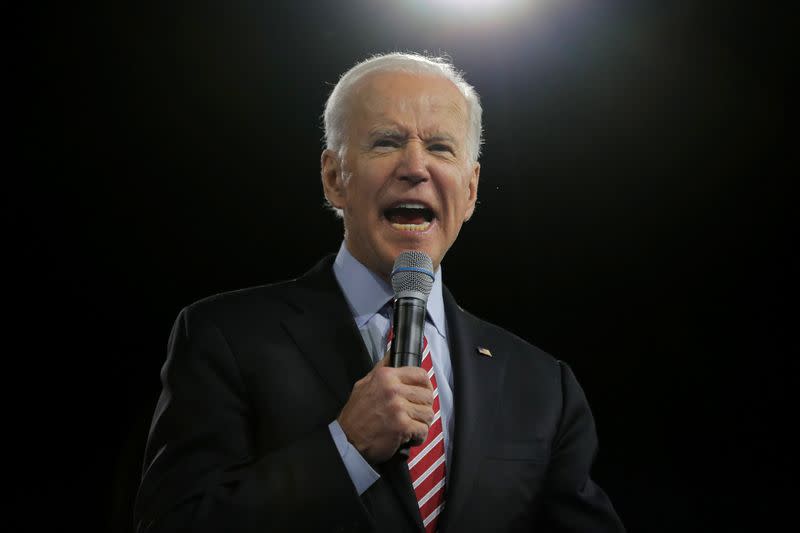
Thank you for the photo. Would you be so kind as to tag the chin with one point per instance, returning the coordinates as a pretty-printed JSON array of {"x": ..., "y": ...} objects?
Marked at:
[{"x": 435, "y": 258}]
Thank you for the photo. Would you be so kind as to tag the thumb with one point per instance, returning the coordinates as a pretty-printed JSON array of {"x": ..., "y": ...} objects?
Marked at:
[{"x": 386, "y": 361}]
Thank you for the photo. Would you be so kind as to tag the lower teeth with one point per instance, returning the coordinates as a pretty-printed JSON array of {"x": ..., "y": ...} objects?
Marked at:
[{"x": 412, "y": 227}]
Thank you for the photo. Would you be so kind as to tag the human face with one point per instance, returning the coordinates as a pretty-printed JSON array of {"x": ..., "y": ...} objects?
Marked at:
[{"x": 404, "y": 181}]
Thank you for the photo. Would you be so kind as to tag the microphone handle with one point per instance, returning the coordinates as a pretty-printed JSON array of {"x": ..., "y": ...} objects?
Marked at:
[
  {"x": 409, "y": 330},
  {"x": 408, "y": 324}
]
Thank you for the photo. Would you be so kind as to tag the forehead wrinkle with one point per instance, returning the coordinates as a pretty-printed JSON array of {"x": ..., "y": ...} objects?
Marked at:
[
  {"x": 445, "y": 130},
  {"x": 385, "y": 105},
  {"x": 392, "y": 114},
  {"x": 426, "y": 124}
]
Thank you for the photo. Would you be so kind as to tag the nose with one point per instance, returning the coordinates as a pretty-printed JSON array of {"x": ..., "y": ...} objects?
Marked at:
[{"x": 414, "y": 163}]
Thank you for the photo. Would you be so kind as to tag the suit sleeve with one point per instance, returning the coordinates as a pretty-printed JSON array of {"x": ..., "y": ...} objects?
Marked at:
[
  {"x": 201, "y": 472},
  {"x": 572, "y": 501}
]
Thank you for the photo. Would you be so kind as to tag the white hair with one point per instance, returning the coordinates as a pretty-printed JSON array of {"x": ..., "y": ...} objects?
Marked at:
[{"x": 336, "y": 107}]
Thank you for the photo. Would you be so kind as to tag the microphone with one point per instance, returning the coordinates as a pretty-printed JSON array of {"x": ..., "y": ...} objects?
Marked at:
[{"x": 412, "y": 281}]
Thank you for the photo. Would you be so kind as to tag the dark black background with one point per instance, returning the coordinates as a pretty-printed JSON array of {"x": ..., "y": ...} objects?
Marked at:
[{"x": 635, "y": 220}]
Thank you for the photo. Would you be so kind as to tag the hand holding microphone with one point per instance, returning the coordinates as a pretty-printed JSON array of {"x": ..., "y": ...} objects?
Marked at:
[{"x": 391, "y": 408}]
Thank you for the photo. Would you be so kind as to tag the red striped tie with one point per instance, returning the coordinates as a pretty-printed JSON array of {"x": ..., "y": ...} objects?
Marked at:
[{"x": 426, "y": 462}]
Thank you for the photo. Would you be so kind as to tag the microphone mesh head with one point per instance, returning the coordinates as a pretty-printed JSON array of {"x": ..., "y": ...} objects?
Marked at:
[{"x": 412, "y": 275}]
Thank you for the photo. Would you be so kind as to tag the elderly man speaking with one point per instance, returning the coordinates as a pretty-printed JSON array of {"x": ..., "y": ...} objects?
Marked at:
[{"x": 279, "y": 409}]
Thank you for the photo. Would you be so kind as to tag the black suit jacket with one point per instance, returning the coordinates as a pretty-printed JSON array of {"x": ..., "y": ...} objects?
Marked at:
[{"x": 240, "y": 442}]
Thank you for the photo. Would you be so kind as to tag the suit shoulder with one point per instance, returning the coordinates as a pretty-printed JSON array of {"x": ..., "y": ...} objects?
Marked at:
[
  {"x": 282, "y": 295},
  {"x": 259, "y": 299}
]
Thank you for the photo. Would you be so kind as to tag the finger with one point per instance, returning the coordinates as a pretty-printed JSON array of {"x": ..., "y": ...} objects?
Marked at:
[
  {"x": 420, "y": 413},
  {"x": 418, "y": 433},
  {"x": 414, "y": 375},
  {"x": 415, "y": 394}
]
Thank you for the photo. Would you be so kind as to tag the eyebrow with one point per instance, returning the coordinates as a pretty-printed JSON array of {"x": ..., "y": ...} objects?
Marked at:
[
  {"x": 441, "y": 137},
  {"x": 393, "y": 134},
  {"x": 385, "y": 133}
]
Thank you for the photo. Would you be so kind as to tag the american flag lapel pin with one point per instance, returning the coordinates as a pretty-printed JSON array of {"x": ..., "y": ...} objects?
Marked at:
[{"x": 484, "y": 351}]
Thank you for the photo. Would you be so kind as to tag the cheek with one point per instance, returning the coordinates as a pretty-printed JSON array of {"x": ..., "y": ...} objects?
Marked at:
[
  {"x": 459, "y": 197},
  {"x": 360, "y": 191},
  {"x": 368, "y": 187}
]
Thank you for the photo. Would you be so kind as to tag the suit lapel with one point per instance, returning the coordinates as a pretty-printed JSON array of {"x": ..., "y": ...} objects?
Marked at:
[
  {"x": 477, "y": 387},
  {"x": 326, "y": 334}
]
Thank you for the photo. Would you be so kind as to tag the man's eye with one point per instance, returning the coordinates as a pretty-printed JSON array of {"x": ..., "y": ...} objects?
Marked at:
[
  {"x": 438, "y": 147},
  {"x": 385, "y": 143}
]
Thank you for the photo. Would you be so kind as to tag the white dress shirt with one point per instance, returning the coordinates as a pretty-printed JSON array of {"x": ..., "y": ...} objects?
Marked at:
[{"x": 367, "y": 295}]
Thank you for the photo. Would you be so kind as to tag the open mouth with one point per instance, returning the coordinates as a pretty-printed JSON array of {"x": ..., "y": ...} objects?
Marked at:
[{"x": 409, "y": 216}]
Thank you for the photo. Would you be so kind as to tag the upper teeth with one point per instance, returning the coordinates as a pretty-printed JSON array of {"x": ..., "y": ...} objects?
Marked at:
[{"x": 411, "y": 206}]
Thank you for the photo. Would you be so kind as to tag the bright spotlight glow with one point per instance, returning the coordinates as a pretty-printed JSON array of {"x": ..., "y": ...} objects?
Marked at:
[
  {"x": 477, "y": 4},
  {"x": 478, "y": 11}
]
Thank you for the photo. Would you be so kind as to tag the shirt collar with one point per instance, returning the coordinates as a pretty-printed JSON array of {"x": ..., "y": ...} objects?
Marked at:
[{"x": 367, "y": 293}]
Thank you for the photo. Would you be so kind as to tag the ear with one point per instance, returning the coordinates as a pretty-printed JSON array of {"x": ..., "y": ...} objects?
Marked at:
[
  {"x": 332, "y": 179},
  {"x": 472, "y": 190}
]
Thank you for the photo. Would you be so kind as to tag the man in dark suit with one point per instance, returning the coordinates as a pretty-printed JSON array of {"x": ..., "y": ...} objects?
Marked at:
[{"x": 279, "y": 411}]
